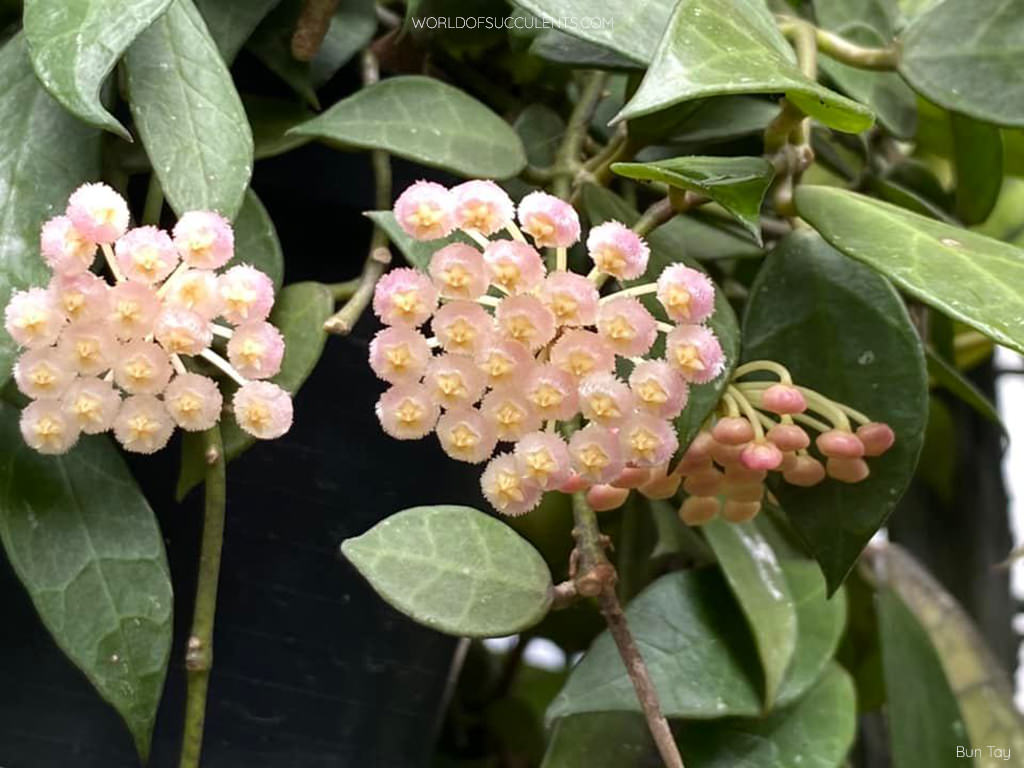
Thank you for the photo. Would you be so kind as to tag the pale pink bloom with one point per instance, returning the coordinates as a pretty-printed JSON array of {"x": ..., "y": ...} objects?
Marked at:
[
  {"x": 91, "y": 404},
  {"x": 256, "y": 350},
  {"x": 483, "y": 206},
  {"x": 699, "y": 510},
  {"x": 193, "y": 401},
  {"x": 783, "y": 399},
  {"x": 247, "y": 293},
  {"x": 543, "y": 459},
  {"x": 46, "y": 429},
  {"x": 552, "y": 222},
  {"x": 805, "y": 471},
  {"x": 462, "y": 327},
  {"x": 582, "y": 353},
  {"x": 687, "y": 294},
  {"x": 647, "y": 441},
  {"x": 133, "y": 310},
  {"x": 142, "y": 368},
  {"x": 788, "y": 437},
  {"x": 399, "y": 355},
  {"x": 510, "y": 414},
  {"x": 695, "y": 352},
  {"x": 513, "y": 266},
  {"x": 506, "y": 489},
  {"x": 194, "y": 289},
  {"x": 659, "y": 389},
  {"x": 146, "y": 255},
  {"x": 90, "y": 348},
  {"x": 526, "y": 320},
  {"x": 552, "y": 392},
  {"x": 183, "y": 332},
  {"x": 627, "y": 326},
  {"x": 404, "y": 296},
  {"x": 840, "y": 444},
  {"x": 877, "y": 437},
  {"x": 733, "y": 430},
  {"x": 82, "y": 297},
  {"x": 98, "y": 213},
  {"x": 63, "y": 247},
  {"x": 596, "y": 454},
  {"x": 143, "y": 424},
  {"x": 406, "y": 412},
  {"x": 847, "y": 470},
  {"x": 465, "y": 435},
  {"x": 761, "y": 455},
  {"x": 262, "y": 409},
  {"x": 605, "y": 400},
  {"x": 571, "y": 298},
  {"x": 204, "y": 239},
  {"x": 425, "y": 211},
  {"x": 617, "y": 250},
  {"x": 504, "y": 362},
  {"x": 453, "y": 381},
  {"x": 43, "y": 374},
  {"x": 459, "y": 272},
  {"x": 33, "y": 318}
]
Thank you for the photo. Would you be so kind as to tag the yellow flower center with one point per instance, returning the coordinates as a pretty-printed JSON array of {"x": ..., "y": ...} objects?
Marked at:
[
  {"x": 688, "y": 358},
  {"x": 547, "y": 397},
  {"x": 620, "y": 329},
  {"x": 425, "y": 216},
  {"x": 407, "y": 302},
  {"x": 609, "y": 259},
  {"x": 509, "y": 489},
  {"x": 479, "y": 216},
  {"x": 409, "y": 412},
  {"x": 127, "y": 311},
  {"x": 48, "y": 430},
  {"x": 398, "y": 356},
  {"x": 651, "y": 392},
  {"x": 593, "y": 458},
  {"x": 86, "y": 408},
  {"x": 507, "y": 275},
  {"x": 564, "y": 306},
  {"x": 257, "y": 415},
  {"x": 461, "y": 333},
  {"x": 497, "y": 365},
  {"x": 87, "y": 351},
  {"x": 463, "y": 438},
  {"x": 540, "y": 226},
  {"x": 580, "y": 363},
  {"x": 73, "y": 304},
  {"x": 139, "y": 370},
  {"x": 677, "y": 298},
  {"x": 509, "y": 417},
  {"x": 452, "y": 385},
  {"x": 520, "y": 328},
  {"x": 188, "y": 404},
  {"x": 456, "y": 277},
  {"x": 604, "y": 407},
  {"x": 179, "y": 341},
  {"x": 147, "y": 259},
  {"x": 34, "y": 320},
  {"x": 644, "y": 443},
  {"x": 43, "y": 377},
  {"x": 540, "y": 464},
  {"x": 142, "y": 427}
]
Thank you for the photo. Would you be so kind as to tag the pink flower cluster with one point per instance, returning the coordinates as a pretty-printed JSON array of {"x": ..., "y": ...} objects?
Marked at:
[
  {"x": 101, "y": 356},
  {"x": 522, "y": 348}
]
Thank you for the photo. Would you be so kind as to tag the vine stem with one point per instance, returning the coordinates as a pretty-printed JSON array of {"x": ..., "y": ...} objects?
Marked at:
[
  {"x": 567, "y": 159},
  {"x": 595, "y": 576},
  {"x": 199, "y": 654},
  {"x": 839, "y": 48}
]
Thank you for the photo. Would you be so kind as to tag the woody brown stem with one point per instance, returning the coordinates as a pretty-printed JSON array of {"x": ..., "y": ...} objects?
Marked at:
[{"x": 311, "y": 28}]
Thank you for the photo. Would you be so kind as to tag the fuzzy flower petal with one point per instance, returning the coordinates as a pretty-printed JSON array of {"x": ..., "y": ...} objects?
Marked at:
[
  {"x": 262, "y": 409},
  {"x": 204, "y": 239},
  {"x": 627, "y": 327},
  {"x": 183, "y": 332},
  {"x": 143, "y": 368},
  {"x": 91, "y": 404},
  {"x": 466, "y": 435},
  {"x": 256, "y": 350},
  {"x": 43, "y": 374},
  {"x": 510, "y": 414},
  {"x": 453, "y": 381},
  {"x": 46, "y": 429},
  {"x": 506, "y": 489},
  {"x": 63, "y": 247},
  {"x": 406, "y": 412},
  {"x": 146, "y": 255},
  {"x": 571, "y": 298},
  {"x": 513, "y": 266},
  {"x": 543, "y": 458},
  {"x": 483, "y": 206},
  {"x": 526, "y": 320},
  {"x": 193, "y": 401},
  {"x": 33, "y": 318},
  {"x": 404, "y": 296},
  {"x": 596, "y": 454},
  {"x": 98, "y": 212},
  {"x": 605, "y": 400},
  {"x": 459, "y": 272},
  {"x": 659, "y": 388},
  {"x": 133, "y": 310},
  {"x": 617, "y": 250},
  {"x": 399, "y": 355},
  {"x": 425, "y": 211},
  {"x": 247, "y": 293},
  {"x": 194, "y": 289},
  {"x": 552, "y": 222},
  {"x": 694, "y": 351},
  {"x": 90, "y": 348},
  {"x": 647, "y": 441},
  {"x": 504, "y": 362},
  {"x": 687, "y": 294},
  {"x": 143, "y": 424},
  {"x": 462, "y": 327},
  {"x": 582, "y": 353},
  {"x": 83, "y": 297},
  {"x": 552, "y": 392}
]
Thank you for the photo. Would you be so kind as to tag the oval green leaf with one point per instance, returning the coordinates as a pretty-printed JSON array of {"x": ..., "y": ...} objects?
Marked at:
[
  {"x": 256, "y": 240},
  {"x": 978, "y": 161},
  {"x": 231, "y": 22},
  {"x": 455, "y": 570}
]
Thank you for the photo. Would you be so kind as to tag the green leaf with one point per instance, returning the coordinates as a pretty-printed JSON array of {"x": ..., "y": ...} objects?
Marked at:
[
  {"x": 721, "y": 118},
  {"x": 271, "y": 119},
  {"x": 967, "y": 276},
  {"x": 967, "y": 57},
  {"x": 718, "y": 47},
  {"x": 351, "y": 28},
  {"x": 75, "y": 45},
  {"x": 455, "y": 570},
  {"x": 188, "y": 113},
  {"x": 271, "y": 43},
  {"x": 44, "y": 154},
  {"x": 858, "y": 348},
  {"x": 710, "y": 238},
  {"x": 561, "y": 48},
  {"x": 978, "y": 158},
  {"x": 738, "y": 184},
  {"x": 416, "y": 252},
  {"x": 256, "y": 240},
  {"x": 760, "y": 587},
  {"x": 84, "y": 542},
  {"x": 423, "y": 120},
  {"x": 540, "y": 129},
  {"x": 951, "y": 379},
  {"x": 231, "y": 22}
]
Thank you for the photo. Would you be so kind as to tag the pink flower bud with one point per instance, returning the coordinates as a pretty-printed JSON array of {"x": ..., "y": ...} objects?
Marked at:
[
  {"x": 605, "y": 400},
  {"x": 735, "y": 490},
  {"x": 404, "y": 296},
  {"x": 726, "y": 455},
  {"x": 183, "y": 332},
  {"x": 91, "y": 405},
  {"x": 83, "y": 297},
  {"x": 406, "y": 412},
  {"x": 707, "y": 482},
  {"x": 504, "y": 362},
  {"x": 789, "y": 437},
  {"x": 453, "y": 381},
  {"x": 262, "y": 409},
  {"x": 462, "y": 327},
  {"x": 510, "y": 414},
  {"x": 146, "y": 255},
  {"x": 582, "y": 353},
  {"x": 43, "y": 374},
  {"x": 740, "y": 473},
  {"x": 143, "y": 424},
  {"x": 596, "y": 454},
  {"x": 603, "y": 498},
  {"x": 483, "y": 206},
  {"x": 783, "y": 399},
  {"x": 735, "y": 511},
  {"x": 647, "y": 441},
  {"x": 761, "y": 455},
  {"x": 46, "y": 429},
  {"x": 506, "y": 490},
  {"x": 699, "y": 510},
  {"x": 571, "y": 298},
  {"x": 543, "y": 459},
  {"x": 133, "y": 310},
  {"x": 552, "y": 393},
  {"x": 399, "y": 355},
  {"x": 466, "y": 436},
  {"x": 33, "y": 318},
  {"x": 64, "y": 249},
  {"x": 574, "y": 484},
  {"x": 661, "y": 485},
  {"x": 196, "y": 290},
  {"x": 143, "y": 368},
  {"x": 513, "y": 266},
  {"x": 847, "y": 470},
  {"x": 459, "y": 272},
  {"x": 89, "y": 348},
  {"x": 248, "y": 294},
  {"x": 204, "y": 239},
  {"x": 425, "y": 211},
  {"x": 695, "y": 352},
  {"x": 688, "y": 295},
  {"x": 98, "y": 213},
  {"x": 617, "y": 250},
  {"x": 700, "y": 448},
  {"x": 633, "y": 477},
  {"x": 837, "y": 443},
  {"x": 193, "y": 401},
  {"x": 524, "y": 319},
  {"x": 256, "y": 349},
  {"x": 626, "y": 325},
  {"x": 733, "y": 430},
  {"x": 659, "y": 389},
  {"x": 552, "y": 222},
  {"x": 876, "y": 437},
  {"x": 805, "y": 472}
]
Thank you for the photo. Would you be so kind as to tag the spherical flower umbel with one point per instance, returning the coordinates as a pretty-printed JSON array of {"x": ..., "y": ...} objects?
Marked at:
[
  {"x": 617, "y": 250},
  {"x": 404, "y": 297},
  {"x": 204, "y": 239},
  {"x": 482, "y": 206},
  {"x": 262, "y": 409},
  {"x": 98, "y": 213},
  {"x": 552, "y": 222},
  {"x": 425, "y": 211}
]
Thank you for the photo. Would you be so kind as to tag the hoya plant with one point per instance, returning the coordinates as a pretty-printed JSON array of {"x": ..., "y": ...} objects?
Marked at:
[{"x": 699, "y": 297}]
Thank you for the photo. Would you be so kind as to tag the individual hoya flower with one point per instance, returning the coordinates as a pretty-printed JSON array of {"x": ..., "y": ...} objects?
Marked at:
[
  {"x": 194, "y": 289},
  {"x": 399, "y": 355},
  {"x": 605, "y": 400},
  {"x": 46, "y": 429},
  {"x": 90, "y": 348},
  {"x": 143, "y": 424},
  {"x": 552, "y": 222},
  {"x": 133, "y": 310},
  {"x": 695, "y": 352},
  {"x": 596, "y": 454},
  {"x": 552, "y": 393},
  {"x": 91, "y": 404},
  {"x": 526, "y": 320},
  {"x": 98, "y": 213},
  {"x": 146, "y": 255},
  {"x": 483, "y": 206},
  {"x": 506, "y": 489},
  {"x": 543, "y": 459},
  {"x": 183, "y": 332},
  {"x": 193, "y": 401},
  {"x": 504, "y": 362},
  {"x": 63, "y": 247},
  {"x": 462, "y": 327},
  {"x": 425, "y": 211},
  {"x": 247, "y": 293},
  {"x": 256, "y": 350},
  {"x": 571, "y": 298},
  {"x": 465, "y": 435},
  {"x": 647, "y": 441},
  {"x": 510, "y": 414},
  {"x": 581, "y": 353},
  {"x": 143, "y": 368},
  {"x": 404, "y": 296},
  {"x": 43, "y": 374},
  {"x": 262, "y": 409},
  {"x": 33, "y": 318},
  {"x": 452, "y": 381},
  {"x": 687, "y": 294},
  {"x": 406, "y": 412},
  {"x": 617, "y": 250},
  {"x": 83, "y": 297},
  {"x": 459, "y": 272},
  {"x": 513, "y": 266},
  {"x": 204, "y": 239},
  {"x": 658, "y": 388},
  {"x": 626, "y": 326}
]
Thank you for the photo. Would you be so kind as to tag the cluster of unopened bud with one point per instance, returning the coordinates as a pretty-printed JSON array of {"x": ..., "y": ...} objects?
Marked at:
[
  {"x": 101, "y": 356},
  {"x": 524, "y": 350}
]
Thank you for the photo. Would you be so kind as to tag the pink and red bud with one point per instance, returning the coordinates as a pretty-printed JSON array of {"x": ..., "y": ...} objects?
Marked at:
[
  {"x": 876, "y": 437},
  {"x": 805, "y": 472},
  {"x": 783, "y": 399},
  {"x": 788, "y": 437},
  {"x": 699, "y": 510},
  {"x": 761, "y": 455},
  {"x": 732, "y": 430},
  {"x": 603, "y": 498},
  {"x": 847, "y": 470},
  {"x": 837, "y": 443}
]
